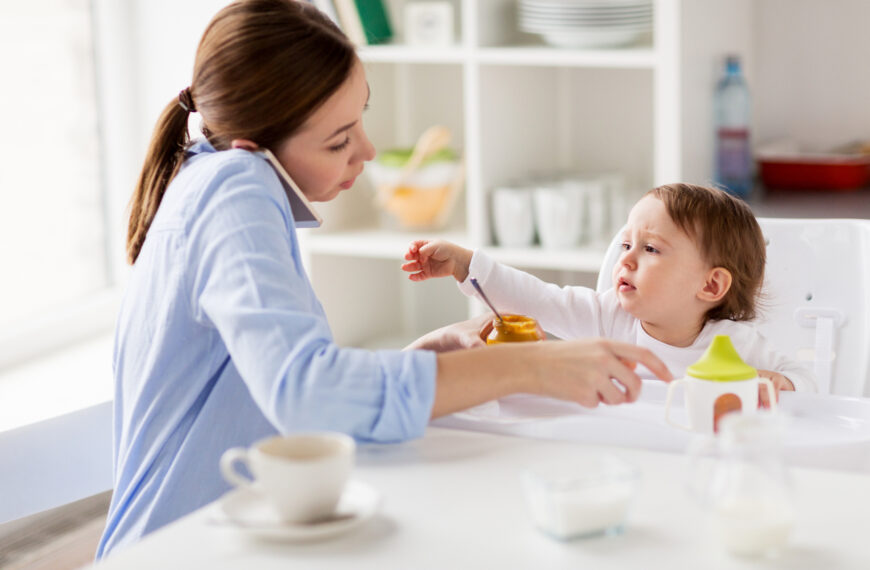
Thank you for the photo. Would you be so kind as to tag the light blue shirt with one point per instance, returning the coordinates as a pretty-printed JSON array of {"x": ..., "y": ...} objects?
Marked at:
[{"x": 221, "y": 341}]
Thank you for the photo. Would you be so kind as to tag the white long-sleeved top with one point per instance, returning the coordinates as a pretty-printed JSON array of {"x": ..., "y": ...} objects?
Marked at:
[{"x": 579, "y": 312}]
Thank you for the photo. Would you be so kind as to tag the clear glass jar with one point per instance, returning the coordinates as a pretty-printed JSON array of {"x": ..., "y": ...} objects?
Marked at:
[
  {"x": 749, "y": 490},
  {"x": 515, "y": 328}
]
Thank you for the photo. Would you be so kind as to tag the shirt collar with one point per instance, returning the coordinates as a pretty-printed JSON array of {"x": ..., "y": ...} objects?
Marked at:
[{"x": 199, "y": 146}]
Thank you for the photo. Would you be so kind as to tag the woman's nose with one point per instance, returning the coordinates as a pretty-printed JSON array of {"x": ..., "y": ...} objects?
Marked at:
[{"x": 367, "y": 149}]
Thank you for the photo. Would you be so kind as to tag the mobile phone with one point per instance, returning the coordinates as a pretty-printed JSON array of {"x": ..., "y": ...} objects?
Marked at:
[{"x": 304, "y": 214}]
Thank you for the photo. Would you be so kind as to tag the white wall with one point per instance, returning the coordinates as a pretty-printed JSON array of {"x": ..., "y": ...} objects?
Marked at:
[
  {"x": 167, "y": 33},
  {"x": 812, "y": 79}
]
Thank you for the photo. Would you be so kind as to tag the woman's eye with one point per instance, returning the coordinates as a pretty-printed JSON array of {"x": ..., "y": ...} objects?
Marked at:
[
  {"x": 650, "y": 249},
  {"x": 340, "y": 146}
]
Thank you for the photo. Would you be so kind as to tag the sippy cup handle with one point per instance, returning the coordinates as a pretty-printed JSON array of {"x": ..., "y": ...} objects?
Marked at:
[
  {"x": 771, "y": 392},
  {"x": 671, "y": 386}
]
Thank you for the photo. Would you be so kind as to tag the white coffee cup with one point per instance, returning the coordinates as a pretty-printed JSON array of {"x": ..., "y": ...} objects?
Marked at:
[
  {"x": 559, "y": 214},
  {"x": 302, "y": 475},
  {"x": 512, "y": 218}
]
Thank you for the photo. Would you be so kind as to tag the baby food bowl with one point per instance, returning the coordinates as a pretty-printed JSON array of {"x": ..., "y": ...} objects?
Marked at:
[
  {"x": 581, "y": 497},
  {"x": 422, "y": 198}
]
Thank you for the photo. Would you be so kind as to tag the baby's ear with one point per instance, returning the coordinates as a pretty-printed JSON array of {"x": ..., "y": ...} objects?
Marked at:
[{"x": 716, "y": 285}]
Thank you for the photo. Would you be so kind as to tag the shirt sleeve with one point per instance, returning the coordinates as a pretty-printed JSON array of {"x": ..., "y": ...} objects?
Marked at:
[
  {"x": 248, "y": 282},
  {"x": 567, "y": 312}
]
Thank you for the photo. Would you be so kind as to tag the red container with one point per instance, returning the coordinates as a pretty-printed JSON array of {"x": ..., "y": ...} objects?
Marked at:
[{"x": 815, "y": 171}]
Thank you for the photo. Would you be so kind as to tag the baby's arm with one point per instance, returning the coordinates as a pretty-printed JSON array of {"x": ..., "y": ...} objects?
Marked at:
[{"x": 436, "y": 258}]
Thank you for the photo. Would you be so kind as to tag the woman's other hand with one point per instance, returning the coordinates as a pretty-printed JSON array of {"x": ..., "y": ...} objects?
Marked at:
[{"x": 464, "y": 334}]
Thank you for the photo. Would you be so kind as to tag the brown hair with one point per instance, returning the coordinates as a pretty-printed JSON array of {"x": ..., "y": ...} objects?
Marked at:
[
  {"x": 262, "y": 68},
  {"x": 728, "y": 235}
]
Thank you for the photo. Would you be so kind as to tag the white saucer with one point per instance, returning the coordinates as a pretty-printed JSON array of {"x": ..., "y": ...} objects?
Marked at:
[{"x": 250, "y": 513}]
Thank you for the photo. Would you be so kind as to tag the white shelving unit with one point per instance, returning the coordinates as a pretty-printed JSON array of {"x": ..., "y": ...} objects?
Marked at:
[{"x": 517, "y": 107}]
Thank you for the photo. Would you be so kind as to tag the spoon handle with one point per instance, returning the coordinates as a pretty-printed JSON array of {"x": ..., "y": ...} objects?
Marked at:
[{"x": 476, "y": 285}]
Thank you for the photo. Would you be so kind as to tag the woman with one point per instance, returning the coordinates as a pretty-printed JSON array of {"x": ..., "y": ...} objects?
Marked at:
[{"x": 221, "y": 340}]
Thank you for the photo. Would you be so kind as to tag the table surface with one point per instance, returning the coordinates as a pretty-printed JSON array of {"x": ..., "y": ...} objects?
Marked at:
[{"x": 453, "y": 499}]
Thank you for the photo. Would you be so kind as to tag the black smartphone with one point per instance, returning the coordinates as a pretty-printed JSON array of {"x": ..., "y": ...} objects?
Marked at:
[{"x": 304, "y": 213}]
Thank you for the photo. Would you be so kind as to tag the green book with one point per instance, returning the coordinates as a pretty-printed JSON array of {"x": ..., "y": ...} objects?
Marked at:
[{"x": 375, "y": 21}]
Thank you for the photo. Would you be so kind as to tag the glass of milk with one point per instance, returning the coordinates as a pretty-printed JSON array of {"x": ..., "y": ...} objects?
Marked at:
[
  {"x": 749, "y": 493},
  {"x": 582, "y": 496}
]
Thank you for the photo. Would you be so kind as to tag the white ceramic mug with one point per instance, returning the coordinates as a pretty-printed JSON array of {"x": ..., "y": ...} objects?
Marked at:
[
  {"x": 302, "y": 475},
  {"x": 559, "y": 214},
  {"x": 512, "y": 219},
  {"x": 708, "y": 400}
]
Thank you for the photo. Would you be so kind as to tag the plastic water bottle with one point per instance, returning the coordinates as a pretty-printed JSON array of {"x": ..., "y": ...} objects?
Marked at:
[{"x": 732, "y": 120}]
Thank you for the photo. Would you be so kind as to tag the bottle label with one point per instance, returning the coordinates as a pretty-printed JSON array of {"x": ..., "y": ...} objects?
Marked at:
[
  {"x": 734, "y": 161},
  {"x": 734, "y": 153}
]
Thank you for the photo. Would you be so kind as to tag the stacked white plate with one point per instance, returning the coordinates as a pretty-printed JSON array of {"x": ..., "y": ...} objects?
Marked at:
[{"x": 586, "y": 23}]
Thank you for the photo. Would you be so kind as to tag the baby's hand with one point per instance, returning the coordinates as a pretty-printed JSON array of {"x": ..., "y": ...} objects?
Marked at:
[
  {"x": 779, "y": 381},
  {"x": 436, "y": 258}
]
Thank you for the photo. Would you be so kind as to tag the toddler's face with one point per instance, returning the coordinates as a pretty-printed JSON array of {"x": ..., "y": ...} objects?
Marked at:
[{"x": 661, "y": 270}]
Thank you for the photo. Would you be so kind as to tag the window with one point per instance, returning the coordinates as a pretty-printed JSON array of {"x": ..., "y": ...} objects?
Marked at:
[{"x": 53, "y": 217}]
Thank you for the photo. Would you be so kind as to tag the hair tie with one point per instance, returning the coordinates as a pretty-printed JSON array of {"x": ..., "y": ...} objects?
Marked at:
[{"x": 186, "y": 100}]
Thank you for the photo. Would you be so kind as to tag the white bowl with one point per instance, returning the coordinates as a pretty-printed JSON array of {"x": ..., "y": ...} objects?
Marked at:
[{"x": 581, "y": 496}]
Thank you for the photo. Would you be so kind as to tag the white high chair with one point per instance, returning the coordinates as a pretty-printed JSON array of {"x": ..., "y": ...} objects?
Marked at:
[{"x": 816, "y": 304}]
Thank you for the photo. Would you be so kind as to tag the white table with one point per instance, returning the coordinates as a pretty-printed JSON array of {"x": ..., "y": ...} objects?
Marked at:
[{"x": 453, "y": 500}]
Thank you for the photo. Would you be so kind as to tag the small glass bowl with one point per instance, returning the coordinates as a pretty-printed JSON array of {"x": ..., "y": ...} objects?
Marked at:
[{"x": 581, "y": 497}]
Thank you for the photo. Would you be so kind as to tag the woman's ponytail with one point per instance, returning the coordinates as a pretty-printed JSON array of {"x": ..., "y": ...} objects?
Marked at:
[{"x": 162, "y": 162}]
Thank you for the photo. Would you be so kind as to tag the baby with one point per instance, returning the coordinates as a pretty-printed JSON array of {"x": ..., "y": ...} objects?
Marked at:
[{"x": 691, "y": 267}]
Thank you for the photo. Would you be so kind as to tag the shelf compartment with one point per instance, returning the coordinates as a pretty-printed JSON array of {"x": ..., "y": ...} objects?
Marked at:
[
  {"x": 383, "y": 244},
  {"x": 580, "y": 259},
  {"x": 371, "y": 243},
  {"x": 643, "y": 58},
  {"x": 398, "y": 53}
]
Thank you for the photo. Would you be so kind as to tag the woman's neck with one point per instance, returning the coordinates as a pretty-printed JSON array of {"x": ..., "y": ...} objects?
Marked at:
[{"x": 680, "y": 335}]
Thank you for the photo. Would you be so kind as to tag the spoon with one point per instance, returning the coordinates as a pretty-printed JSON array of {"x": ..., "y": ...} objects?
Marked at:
[{"x": 485, "y": 299}]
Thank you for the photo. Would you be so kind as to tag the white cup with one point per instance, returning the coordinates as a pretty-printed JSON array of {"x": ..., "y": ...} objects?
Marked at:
[
  {"x": 559, "y": 214},
  {"x": 301, "y": 475},
  {"x": 512, "y": 219},
  {"x": 708, "y": 400}
]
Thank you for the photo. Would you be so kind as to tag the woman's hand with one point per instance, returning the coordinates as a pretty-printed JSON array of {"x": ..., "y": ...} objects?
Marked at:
[
  {"x": 436, "y": 258},
  {"x": 592, "y": 371},
  {"x": 464, "y": 334},
  {"x": 779, "y": 381},
  {"x": 588, "y": 371}
]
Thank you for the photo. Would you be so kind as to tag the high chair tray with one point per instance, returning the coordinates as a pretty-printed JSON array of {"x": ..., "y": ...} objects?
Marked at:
[{"x": 824, "y": 431}]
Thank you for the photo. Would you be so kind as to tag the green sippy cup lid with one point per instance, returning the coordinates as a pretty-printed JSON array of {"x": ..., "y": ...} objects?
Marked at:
[{"x": 721, "y": 363}]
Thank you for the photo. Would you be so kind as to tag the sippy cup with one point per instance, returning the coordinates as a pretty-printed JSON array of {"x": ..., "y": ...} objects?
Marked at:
[{"x": 719, "y": 383}]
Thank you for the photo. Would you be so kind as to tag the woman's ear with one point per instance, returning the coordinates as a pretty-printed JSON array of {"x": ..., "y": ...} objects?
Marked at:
[
  {"x": 244, "y": 144},
  {"x": 716, "y": 285}
]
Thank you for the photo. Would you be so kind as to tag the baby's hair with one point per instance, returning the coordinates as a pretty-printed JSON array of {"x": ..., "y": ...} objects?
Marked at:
[{"x": 728, "y": 235}]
